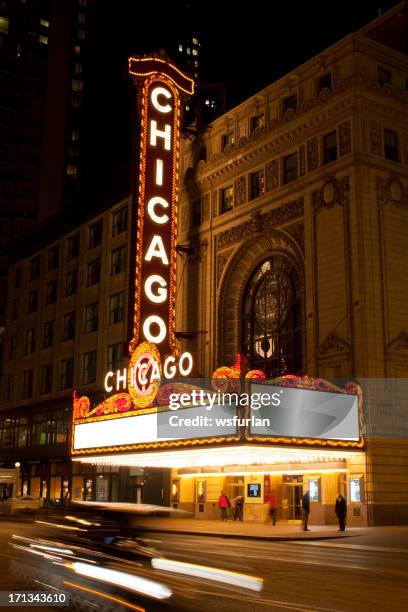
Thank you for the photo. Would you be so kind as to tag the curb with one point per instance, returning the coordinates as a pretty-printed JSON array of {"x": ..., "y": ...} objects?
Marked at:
[{"x": 244, "y": 536}]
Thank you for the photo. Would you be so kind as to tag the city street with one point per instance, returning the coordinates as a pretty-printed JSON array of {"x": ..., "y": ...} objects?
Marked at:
[{"x": 357, "y": 573}]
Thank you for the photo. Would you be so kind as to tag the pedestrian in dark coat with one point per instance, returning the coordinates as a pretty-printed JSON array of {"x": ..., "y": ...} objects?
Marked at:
[
  {"x": 341, "y": 511},
  {"x": 238, "y": 507},
  {"x": 305, "y": 510}
]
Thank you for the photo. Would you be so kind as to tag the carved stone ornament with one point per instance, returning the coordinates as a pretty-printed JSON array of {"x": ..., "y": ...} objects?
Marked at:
[
  {"x": 215, "y": 203},
  {"x": 222, "y": 259},
  {"x": 333, "y": 345},
  {"x": 344, "y": 138},
  {"x": 391, "y": 191},
  {"x": 312, "y": 154},
  {"x": 260, "y": 222},
  {"x": 302, "y": 160},
  {"x": 272, "y": 175},
  {"x": 240, "y": 191},
  {"x": 375, "y": 138},
  {"x": 332, "y": 192},
  {"x": 399, "y": 344},
  {"x": 297, "y": 230}
]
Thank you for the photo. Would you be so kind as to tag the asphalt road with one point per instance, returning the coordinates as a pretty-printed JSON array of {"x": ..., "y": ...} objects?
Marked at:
[{"x": 318, "y": 576}]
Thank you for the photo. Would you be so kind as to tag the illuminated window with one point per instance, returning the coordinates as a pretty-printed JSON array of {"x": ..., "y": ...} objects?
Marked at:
[
  {"x": 51, "y": 293},
  {"x": 29, "y": 342},
  {"x": 33, "y": 300},
  {"x": 48, "y": 338},
  {"x": 119, "y": 221},
  {"x": 115, "y": 354},
  {"x": 10, "y": 388},
  {"x": 53, "y": 256},
  {"x": 91, "y": 318},
  {"x": 69, "y": 327},
  {"x": 46, "y": 379},
  {"x": 116, "y": 308},
  {"x": 13, "y": 347},
  {"x": 35, "y": 268},
  {"x": 94, "y": 272},
  {"x": 188, "y": 50},
  {"x": 289, "y": 103},
  {"x": 67, "y": 373},
  {"x": 42, "y": 39},
  {"x": 78, "y": 68},
  {"x": 271, "y": 318},
  {"x": 290, "y": 168},
  {"x": 72, "y": 170},
  {"x": 330, "y": 147},
  {"x": 77, "y": 85},
  {"x": 118, "y": 260},
  {"x": 95, "y": 234},
  {"x": 227, "y": 199},
  {"x": 28, "y": 378},
  {"x": 383, "y": 76},
  {"x": 4, "y": 25},
  {"x": 81, "y": 34},
  {"x": 89, "y": 368},
  {"x": 45, "y": 23},
  {"x": 73, "y": 247},
  {"x": 195, "y": 52},
  {"x": 257, "y": 184},
  {"x": 227, "y": 139},
  {"x": 77, "y": 49},
  {"x": 181, "y": 48},
  {"x": 391, "y": 145},
  {"x": 71, "y": 283},
  {"x": 195, "y": 41},
  {"x": 324, "y": 82}
]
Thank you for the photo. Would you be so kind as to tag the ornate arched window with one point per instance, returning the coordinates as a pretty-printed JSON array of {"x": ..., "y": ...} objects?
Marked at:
[{"x": 271, "y": 311}]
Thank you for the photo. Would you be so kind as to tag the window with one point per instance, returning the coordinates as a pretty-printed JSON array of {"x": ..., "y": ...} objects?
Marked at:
[
  {"x": 257, "y": 122},
  {"x": 69, "y": 326},
  {"x": 29, "y": 342},
  {"x": 94, "y": 272},
  {"x": 118, "y": 260},
  {"x": 383, "y": 76},
  {"x": 227, "y": 139},
  {"x": 48, "y": 334},
  {"x": 314, "y": 489},
  {"x": 289, "y": 103},
  {"x": 14, "y": 314},
  {"x": 51, "y": 293},
  {"x": 17, "y": 278},
  {"x": 10, "y": 388},
  {"x": 115, "y": 354},
  {"x": 72, "y": 170},
  {"x": 391, "y": 145},
  {"x": 42, "y": 39},
  {"x": 290, "y": 168},
  {"x": 4, "y": 25},
  {"x": 13, "y": 347},
  {"x": 330, "y": 147},
  {"x": 271, "y": 318},
  {"x": 33, "y": 300},
  {"x": 257, "y": 184},
  {"x": 73, "y": 247},
  {"x": 324, "y": 82},
  {"x": 119, "y": 221},
  {"x": 227, "y": 197},
  {"x": 67, "y": 373},
  {"x": 77, "y": 85},
  {"x": 95, "y": 235},
  {"x": 89, "y": 370},
  {"x": 28, "y": 378},
  {"x": 53, "y": 256},
  {"x": 196, "y": 213},
  {"x": 116, "y": 308},
  {"x": 355, "y": 490},
  {"x": 91, "y": 318},
  {"x": 46, "y": 379},
  {"x": 71, "y": 283},
  {"x": 35, "y": 268}
]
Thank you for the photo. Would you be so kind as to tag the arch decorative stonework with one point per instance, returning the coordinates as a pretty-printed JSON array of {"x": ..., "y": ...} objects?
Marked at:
[{"x": 235, "y": 277}]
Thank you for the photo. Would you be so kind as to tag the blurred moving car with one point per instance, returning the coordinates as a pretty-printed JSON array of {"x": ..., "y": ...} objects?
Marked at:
[
  {"x": 24, "y": 503},
  {"x": 96, "y": 556}
]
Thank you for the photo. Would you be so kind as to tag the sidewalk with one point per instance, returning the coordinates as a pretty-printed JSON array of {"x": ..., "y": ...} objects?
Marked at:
[{"x": 249, "y": 530}]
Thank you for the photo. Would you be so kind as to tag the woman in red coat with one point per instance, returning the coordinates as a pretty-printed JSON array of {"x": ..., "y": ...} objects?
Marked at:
[{"x": 223, "y": 504}]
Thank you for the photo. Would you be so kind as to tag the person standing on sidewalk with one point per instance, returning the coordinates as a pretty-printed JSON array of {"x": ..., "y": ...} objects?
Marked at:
[
  {"x": 238, "y": 507},
  {"x": 341, "y": 511},
  {"x": 305, "y": 510},
  {"x": 223, "y": 504},
  {"x": 273, "y": 507}
]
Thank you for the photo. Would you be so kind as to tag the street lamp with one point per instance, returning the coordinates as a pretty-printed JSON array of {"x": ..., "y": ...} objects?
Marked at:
[{"x": 17, "y": 477}]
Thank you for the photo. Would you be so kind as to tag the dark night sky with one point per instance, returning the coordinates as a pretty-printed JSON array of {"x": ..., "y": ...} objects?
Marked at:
[{"x": 246, "y": 46}]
